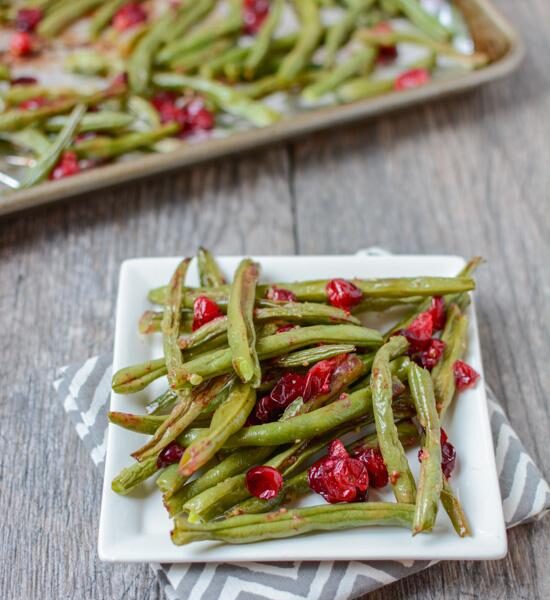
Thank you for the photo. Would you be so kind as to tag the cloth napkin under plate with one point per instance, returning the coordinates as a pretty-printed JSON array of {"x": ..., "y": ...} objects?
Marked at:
[{"x": 84, "y": 390}]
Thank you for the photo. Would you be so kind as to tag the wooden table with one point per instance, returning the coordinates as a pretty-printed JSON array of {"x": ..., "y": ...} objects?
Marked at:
[{"x": 467, "y": 176}]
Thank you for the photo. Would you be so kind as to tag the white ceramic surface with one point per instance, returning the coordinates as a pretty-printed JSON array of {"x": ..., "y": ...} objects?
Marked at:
[{"x": 136, "y": 528}]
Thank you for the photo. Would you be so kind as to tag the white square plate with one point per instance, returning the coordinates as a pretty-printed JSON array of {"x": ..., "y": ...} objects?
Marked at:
[{"x": 136, "y": 528}]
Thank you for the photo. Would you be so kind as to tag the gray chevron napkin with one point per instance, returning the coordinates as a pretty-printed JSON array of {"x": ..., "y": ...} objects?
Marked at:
[{"x": 84, "y": 389}]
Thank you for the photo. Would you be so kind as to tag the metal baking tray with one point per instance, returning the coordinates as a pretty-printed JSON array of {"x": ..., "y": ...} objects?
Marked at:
[{"x": 491, "y": 34}]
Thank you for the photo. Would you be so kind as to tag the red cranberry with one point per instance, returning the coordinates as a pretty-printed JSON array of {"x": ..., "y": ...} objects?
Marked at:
[
  {"x": 289, "y": 387},
  {"x": 319, "y": 377},
  {"x": 66, "y": 166},
  {"x": 385, "y": 53},
  {"x": 21, "y": 44},
  {"x": 200, "y": 118},
  {"x": 204, "y": 311},
  {"x": 128, "y": 16},
  {"x": 119, "y": 80},
  {"x": 465, "y": 375},
  {"x": 430, "y": 356},
  {"x": 437, "y": 310},
  {"x": 376, "y": 467},
  {"x": 412, "y": 79},
  {"x": 33, "y": 103},
  {"x": 338, "y": 477},
  {"x": 343, "y": 294},
  {"x": 278, "y": 294},
  {"x": 448, "y": 455},
  {"x": 419, "y": 332},
  {"x": 24, "y": 80},
  {"x": 264, "y": 482},
  {"x": 170, "y": 455},
  {"x": 27, "y": 19},
  {"x": 254, "y": 14}
]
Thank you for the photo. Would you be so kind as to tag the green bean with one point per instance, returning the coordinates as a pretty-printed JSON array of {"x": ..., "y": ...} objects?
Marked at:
[
  {"x": 142, "y": 110},
  {"x": 263, "y": 40},
  {"x": 308, "y": 40},
  {"x": 215, "y": 65},
  {"x": 270, "y": 84},
  {"x": 171, "y": 321},
  {"x": 454, "y": 509},
  {"x": 425, "y": 21},
  {"x": 220, "y": 361},
  {"x": 137, "y": 377},
  {"x": 235, "y": 463},
  {"x": 190, "y": 61},
  {"x": 29, "y": 138},
  {"x": 338, "y": 33},
  {"x": 361, "y": 61},
  {"x": 364, "y": 87},
  {"x": 227, "y": 420},
  {"x": 303, "y": 312},
  {"x": 226, "y": 97},
  {"x": 454, "y": 336},
  {"x": 283, "y": 524},
  {"x": 105, "y": 120},
  {"x": 104, "y": 147},
  {"x": 401, "y": 478},
  {"x": 132, "y": 476},
  {"x": 207, "y": 332},
  {"x": 200, "y": 38},
  {"x": 475, "y": 60},
  {"x": 430, "y": 482},
  {"x": 241, "y": 334},
  {"x": 47, "y": 161},
  {"x": 64, "y": 15},
  {"x": 16, "y": 118},
  {"x": 315, "y": 291},
  {"x": 210, "y": 274},
  {"x": 304, "y": 358},
  {"x": 138, "y": 423},
  {"x": 161, "y": 403},
  {"x": 18, "y": 93},
  {"x": 87, "y": 62},
  {"x": 5, "y": 74}
]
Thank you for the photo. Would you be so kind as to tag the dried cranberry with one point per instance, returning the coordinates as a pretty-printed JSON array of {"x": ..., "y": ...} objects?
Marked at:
[
  {"x": 419, "y": 332},
  {"x": 437, "y": 310},
  {"x": 21, "y": 44},
  {"x": 264, "y": 482},
  {"x": 319, "y": 377},
  {"x": 343, "y": 294},
  {"x": 430, "y": 356},
  {"x": 204, "y": 311},
  {"x": 338, "y": 477},
  {"x": 33, "y": 103},
  {"x": 199, "y": 117},
  {"x": 448, "y": 455},
  {"x": 128, "y": 16},
  {"x": 119, "y": 80},
  {"x": 289, "y": 387},
  {"x": 24, "y": 80},
  {"x": 412, "y": 79},
  {"x": 66, "y": 166},
  {"x": 376, "y": 467},
  {"x": 278, "y": 294},
  {"x": 385, "y": 53},
  {"x": 465, "y": 375},
  {"x": 27, "y": 19},
  {"x": 254, "y": 14},
  {"x": 170, "y": 455}
]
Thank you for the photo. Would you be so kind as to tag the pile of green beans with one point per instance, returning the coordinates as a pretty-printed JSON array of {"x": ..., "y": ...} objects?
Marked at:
[
  {"x": 204, "y": 50},
  {"x": 219, "y": 373}
]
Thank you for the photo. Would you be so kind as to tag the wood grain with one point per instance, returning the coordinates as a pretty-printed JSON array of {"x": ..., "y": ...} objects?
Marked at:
[{"x": 466, "y": 176}]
